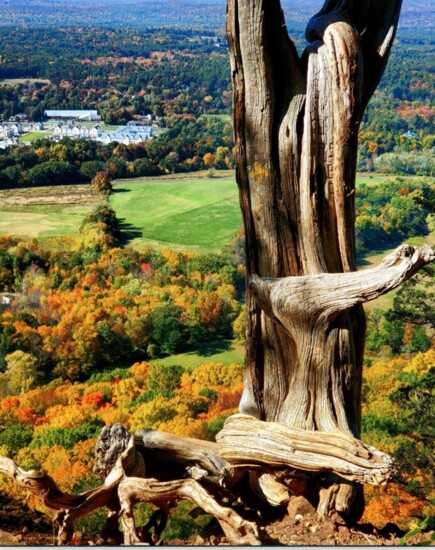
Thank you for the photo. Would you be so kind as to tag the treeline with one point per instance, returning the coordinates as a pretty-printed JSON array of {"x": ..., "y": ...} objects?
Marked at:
[
  {"x": 398, "y": 130},
  {"x": 189, "y": 145},
  {"x": 388, "y": 213},
  {"x": 398, "y": 398}
]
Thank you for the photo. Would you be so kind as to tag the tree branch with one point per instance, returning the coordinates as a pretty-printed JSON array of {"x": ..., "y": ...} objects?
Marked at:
[
  {"x": 290, "y": 301},
  {"x": 376, "y": 24}
]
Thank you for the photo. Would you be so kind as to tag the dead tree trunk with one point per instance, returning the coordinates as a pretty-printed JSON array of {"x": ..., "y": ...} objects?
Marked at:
[{"x": 296, "y": 123}]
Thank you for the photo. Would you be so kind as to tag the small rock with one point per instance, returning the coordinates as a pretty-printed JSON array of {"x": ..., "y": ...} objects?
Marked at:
[
  {"x": 25, "y": 530},
  {"x": 299, "y": 505},
  {"x": 299, "y": 517}
]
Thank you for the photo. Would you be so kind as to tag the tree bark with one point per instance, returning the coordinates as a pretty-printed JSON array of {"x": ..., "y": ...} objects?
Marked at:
[{"x": 296, "y": 124}]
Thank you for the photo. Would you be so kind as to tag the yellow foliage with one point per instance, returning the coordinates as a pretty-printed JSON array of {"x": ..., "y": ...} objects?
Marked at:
[
  {"x": 184, "y": 404},
  {"x": 140, "y": 371},
  {"x": 152, "y": 414},
  {"x": 70, "y": 416},
  {"x": 381, "y": 379},
  {"x": 125, "y": 391},
  {"x": 186, "y": 383},
  {"x": 226, "y": 291},
  {"x": 104, "y": 387},
  {"x": 32, "y": 459},
  {"x": 58, "y": 466},
  {"x": 186, "y": 427},
  {"x": 4, "y": 450},
  {"x": 216, "y": 375},
  {"x": 384, "y": 369},
  {"x": 111, "y": 415},
  {"x": 173, "y": 259},
  {"x": 421, "y": 363}
]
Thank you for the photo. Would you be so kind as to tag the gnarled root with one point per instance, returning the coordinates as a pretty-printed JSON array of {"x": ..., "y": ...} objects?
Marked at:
[{"x": 132, "y": 490}]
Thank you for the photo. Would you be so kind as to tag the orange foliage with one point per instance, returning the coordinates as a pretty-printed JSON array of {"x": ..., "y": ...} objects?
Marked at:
[
  {"x": 425, "y": 111},
  {"x": 10, "y": 402},
  {"x": 392, "y": 504},
  {"x": 26, "y": 415},
  {"x": 95, "y": 398}
]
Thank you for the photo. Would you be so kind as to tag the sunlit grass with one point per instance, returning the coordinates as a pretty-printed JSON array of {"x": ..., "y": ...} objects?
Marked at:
[{"x": 200, "y": 215}]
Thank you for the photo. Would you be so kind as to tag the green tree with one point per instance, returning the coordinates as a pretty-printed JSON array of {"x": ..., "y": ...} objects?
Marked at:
[
  {"x": 21, "y": 372},
  {"x": 414, "y": 302},
  {"x": 167, "y": 332},
  {"x": 164, "y": 377}
]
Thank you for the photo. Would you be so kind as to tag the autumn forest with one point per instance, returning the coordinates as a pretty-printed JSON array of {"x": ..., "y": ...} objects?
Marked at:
[{"x": 95, "y": 330}]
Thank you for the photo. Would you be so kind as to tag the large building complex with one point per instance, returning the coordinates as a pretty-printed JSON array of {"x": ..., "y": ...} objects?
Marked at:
[{"x": 67, "y": 114}]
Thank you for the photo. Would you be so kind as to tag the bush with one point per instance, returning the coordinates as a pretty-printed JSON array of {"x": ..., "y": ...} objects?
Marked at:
[
  {"x": 66, "y": 437},
  {"x": 15, "y": 437}
]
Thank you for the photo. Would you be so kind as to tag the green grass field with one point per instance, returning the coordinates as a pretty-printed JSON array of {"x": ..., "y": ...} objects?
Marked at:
[
  {"x": 44, "y": 221},
  {"x": 226, "y": 352},
  {"x": 200, "y": 215},
  {"x": 180, "y": 212},
  {"x": 46, "y": 212},
  {"x": 368, "y": 178},
  {"x": 32, "y": 136}
]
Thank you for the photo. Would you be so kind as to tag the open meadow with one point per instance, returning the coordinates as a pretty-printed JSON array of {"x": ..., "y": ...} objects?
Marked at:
[
  {"x": 199, "y": 215},
  {"x": 181, "y": 212},
  {"x": 46, "y": 212}
]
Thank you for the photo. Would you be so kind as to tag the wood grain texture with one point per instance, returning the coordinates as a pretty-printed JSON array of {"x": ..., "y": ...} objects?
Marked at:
[{"x": 296, "y": 123}]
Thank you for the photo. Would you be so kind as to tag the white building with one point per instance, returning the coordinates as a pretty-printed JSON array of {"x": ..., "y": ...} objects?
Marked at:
[
  {"x": 124, "y": 134},
  {"x": 127, "y": 135},
  {"x": 35, "y": 127},
  {"x": 68, "y": 114},
  {"x": 17, "y": 128}
]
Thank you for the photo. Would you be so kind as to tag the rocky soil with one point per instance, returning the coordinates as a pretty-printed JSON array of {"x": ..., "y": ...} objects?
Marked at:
[{"x": 22, "y": 527}]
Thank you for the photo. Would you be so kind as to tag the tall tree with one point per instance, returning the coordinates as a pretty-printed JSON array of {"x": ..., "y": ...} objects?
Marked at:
[{"x": 296, "y": 123}]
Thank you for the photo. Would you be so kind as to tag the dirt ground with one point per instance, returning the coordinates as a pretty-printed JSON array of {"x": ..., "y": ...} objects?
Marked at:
[{"x": 21, "y": 527}]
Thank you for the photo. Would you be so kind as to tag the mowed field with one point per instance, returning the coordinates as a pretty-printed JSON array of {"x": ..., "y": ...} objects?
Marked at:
[
  {"x": 199, "y": 215},
  {"x": 191, "y": 213},
  {"x": 46, "y": 212}
]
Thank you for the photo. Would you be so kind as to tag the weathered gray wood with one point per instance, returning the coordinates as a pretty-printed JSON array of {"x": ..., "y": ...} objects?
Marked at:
[
  {"x": 132, "y": 490},
  {"x": 121, "y": 492},
  {"x": 70, "y": 507},
  {"x": 296, "y": 128},
  {"x": 244, "y": 439},
  {"x": 160, "y": 446}
]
